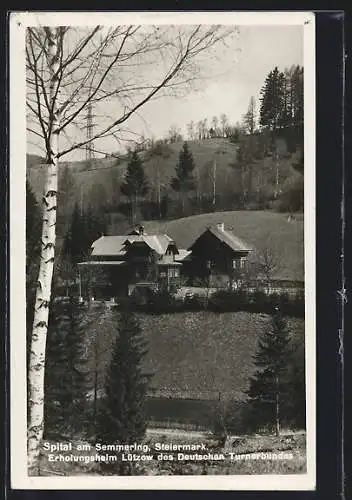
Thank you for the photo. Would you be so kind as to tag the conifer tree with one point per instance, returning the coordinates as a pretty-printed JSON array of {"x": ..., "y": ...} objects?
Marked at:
[
  {"x": 95, "y": 226},
  {"x": 75, "y": 241},
  {"x": 272, "y": 114},
  {"x": 272, "y": 101},
  {"x": 135, "y": 184},
  {"x": 184, "y": 179},
  {"x": 65, "y": 377},
  {"x": 83, "y": 230},
  {"x": 268, "y": 387},
  {"x": 121, "y": 418}
]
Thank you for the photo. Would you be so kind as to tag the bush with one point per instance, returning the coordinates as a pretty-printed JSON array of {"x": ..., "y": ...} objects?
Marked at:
[
  {"x": 194, "y": 303},
  {"x": 256, "y": 302},
  {"x": 163, "y": 301},
  {"x": 292, "y": 197}
]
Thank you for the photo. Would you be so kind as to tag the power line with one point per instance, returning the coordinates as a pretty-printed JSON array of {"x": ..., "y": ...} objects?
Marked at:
[{"x": 89, "y": 147}]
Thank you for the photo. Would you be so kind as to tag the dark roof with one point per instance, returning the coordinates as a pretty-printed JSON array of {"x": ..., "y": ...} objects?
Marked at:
[
  {"x": 230, "y": 239},
  {"x": 227, "y": 237}
]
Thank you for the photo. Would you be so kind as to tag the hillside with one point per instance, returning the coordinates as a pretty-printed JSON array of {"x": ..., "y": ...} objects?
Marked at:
[
  {"x": 253, "y": 227},
  {"x": 104, "y": 176},
  {"x": 193, "y": 353},
  {"x": 102, "y": 170}
]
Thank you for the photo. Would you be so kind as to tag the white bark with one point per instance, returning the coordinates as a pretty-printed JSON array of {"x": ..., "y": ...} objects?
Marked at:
[{"x": 43, "y": 295}]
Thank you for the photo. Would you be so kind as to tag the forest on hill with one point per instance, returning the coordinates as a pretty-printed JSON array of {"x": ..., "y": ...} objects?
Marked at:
[{"x": 256, "y": 164}]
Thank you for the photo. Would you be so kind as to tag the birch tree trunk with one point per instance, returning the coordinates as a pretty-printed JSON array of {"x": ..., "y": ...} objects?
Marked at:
[{"x": 43, "y": 293}]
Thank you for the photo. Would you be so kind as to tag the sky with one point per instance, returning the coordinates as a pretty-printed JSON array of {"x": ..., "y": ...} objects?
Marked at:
[
  {"x": 240, "y": 75},
  {"x": 236, "y": 73}
]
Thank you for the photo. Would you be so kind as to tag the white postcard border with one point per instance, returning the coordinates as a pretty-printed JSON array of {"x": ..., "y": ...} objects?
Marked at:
[{"x": 18, "y": 421}]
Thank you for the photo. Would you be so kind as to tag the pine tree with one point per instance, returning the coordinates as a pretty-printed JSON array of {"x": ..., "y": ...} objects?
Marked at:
[
  {"x": 296, "y": 405},
  {"x": 121, "y": 417},
  {"x": 272, "y": 114},
  {"x": 272, "y": 101},
  {"x": 76, "y": 240},
  {"x": 83, "y": 230},
  {"x": 94, "y": 226},
  {"x": 268, "y": 387},
  {"x": 135, "y": 184},
  {"x": 297, "y": 95},
  {"x": 184, "y": 179},
  {"x": 65, "y": 377}
]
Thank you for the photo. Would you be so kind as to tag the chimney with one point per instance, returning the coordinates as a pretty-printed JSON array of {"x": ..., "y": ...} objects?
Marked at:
[{"x": 220, "y": 226}]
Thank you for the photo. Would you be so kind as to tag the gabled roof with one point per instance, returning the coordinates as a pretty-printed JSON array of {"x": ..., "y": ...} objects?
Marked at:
[
  {"x": 117, "y": 245},
  {"x": 157, "y": 242},
  {"x": 182, "y": 255},
  {"x": 228, "y": 238},
  {"x": 109, "y": 245}
]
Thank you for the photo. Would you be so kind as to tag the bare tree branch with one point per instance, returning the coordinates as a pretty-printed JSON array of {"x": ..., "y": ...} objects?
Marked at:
[{"x": 97, "y": 70}]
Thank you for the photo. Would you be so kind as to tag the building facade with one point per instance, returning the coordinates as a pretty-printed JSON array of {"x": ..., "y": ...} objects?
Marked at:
[{"x": 141, "y": 262}]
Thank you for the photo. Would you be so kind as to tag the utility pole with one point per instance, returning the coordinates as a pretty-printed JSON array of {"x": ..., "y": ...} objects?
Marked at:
[{"x": 89, "y": 147}]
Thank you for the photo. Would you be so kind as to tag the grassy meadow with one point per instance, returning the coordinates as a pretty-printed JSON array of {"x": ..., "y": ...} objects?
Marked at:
[
  {"x": 192, "y": 354},
  {"x": 257, "y": 228}
]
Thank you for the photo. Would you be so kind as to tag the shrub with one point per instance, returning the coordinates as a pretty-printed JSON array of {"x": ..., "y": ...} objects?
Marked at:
[
  {"x": 256, "y": 302},
  {"x": 163, "y": 301},
  {"x": 194, "y": 303}
]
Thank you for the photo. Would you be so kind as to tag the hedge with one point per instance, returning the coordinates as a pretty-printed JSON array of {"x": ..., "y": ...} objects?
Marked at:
[{"x": 226, "y": 301}]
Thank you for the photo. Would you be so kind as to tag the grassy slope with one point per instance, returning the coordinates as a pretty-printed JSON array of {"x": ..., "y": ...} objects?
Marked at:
[
  {"x": 251, "y": 226},
  {"x": 196, "y": 352},
  {"x": 104, "y": 168},
  {"x": 204, "y": 152}
]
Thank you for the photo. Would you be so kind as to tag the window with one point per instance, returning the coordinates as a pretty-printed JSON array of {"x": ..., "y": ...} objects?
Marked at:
[
  {"x": 173, "y": 272},
  {"x": 239, "y": 263}
]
